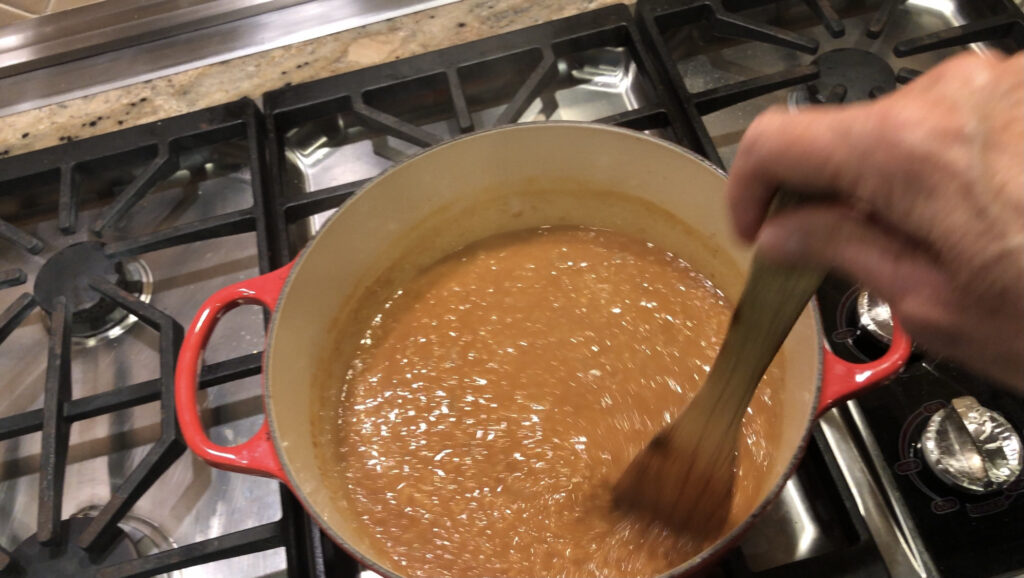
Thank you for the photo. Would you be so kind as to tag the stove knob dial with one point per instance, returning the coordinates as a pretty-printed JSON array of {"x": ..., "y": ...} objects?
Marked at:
[
  {"x": 971, "y": 447},
  {"x": 874, "y": 316}
]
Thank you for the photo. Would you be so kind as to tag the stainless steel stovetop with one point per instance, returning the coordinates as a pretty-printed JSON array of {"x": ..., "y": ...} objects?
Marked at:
[
  {"x": 190, "y": 501},
  {"x": 595, "y": 67}
]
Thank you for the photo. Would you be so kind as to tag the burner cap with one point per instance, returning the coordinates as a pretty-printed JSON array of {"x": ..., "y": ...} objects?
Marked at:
[
  {"x": 31, "y": 559},
  {"x": 862, "y": 73},
  {"x": 68, "y": 273}
]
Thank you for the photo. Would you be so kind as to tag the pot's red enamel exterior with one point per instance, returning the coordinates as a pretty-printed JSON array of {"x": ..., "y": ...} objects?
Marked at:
[
  {"x": 841, "y": 381},
  {"x": 256, "y": 455}
]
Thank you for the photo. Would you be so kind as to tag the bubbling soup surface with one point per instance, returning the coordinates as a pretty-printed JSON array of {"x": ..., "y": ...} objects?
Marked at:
[{"x": 495, "y": 398}]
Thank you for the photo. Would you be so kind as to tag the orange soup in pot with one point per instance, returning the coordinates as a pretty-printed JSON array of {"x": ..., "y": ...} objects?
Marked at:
[{"x": 495, "y": 398}]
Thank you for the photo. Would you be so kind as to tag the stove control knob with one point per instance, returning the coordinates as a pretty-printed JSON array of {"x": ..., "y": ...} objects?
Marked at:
[
  {"x": 875, "y": 316},
  {"x": 971, "y": 447}
]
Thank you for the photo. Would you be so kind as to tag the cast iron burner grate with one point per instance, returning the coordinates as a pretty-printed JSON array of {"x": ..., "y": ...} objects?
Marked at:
[
  {"x": 32, "y": 559},
  {"x": 376, "y": 102},
  {"x": 853, "y": 66},
  {"x": 85, "y": 286}
]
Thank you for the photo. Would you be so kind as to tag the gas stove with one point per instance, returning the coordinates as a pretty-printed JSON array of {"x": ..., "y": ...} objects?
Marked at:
[{"x": 109, "y": 245}]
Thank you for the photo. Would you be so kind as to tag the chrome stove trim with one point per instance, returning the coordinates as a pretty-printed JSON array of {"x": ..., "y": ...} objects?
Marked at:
[
  {"x": 114, "y": 24},
  {"x": 891, "y": 530},
  {"x": 209, "y": 45}
]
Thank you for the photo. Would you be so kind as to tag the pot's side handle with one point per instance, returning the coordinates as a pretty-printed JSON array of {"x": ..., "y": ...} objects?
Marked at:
[
  {"x": 842, "y": 380},
  {"x": 255, "y": 455}
]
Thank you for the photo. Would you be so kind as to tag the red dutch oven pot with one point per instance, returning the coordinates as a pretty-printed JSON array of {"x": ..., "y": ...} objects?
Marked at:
[{"x": 490, "y": 182}]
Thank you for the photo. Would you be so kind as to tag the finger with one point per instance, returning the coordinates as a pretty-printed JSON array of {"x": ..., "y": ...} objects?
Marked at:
[
  {"x": 961, "y": 69},
  {"x": 797, "y": 150},
  {"x": 907, "y": 278},
  {"x": 836, "y": 236}
]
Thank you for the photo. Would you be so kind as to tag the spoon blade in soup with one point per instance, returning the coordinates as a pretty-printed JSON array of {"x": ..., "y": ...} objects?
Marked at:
[{"x": 684, "y": 476}]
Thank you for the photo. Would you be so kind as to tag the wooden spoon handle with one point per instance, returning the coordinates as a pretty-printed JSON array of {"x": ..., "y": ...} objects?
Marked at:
[
  {"x": 770, "y": 304},
  {"x": 685, "y": 476}
]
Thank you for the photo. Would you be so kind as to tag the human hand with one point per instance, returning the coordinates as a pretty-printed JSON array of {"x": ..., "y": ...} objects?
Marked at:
[{"x": 922, "y": 196}]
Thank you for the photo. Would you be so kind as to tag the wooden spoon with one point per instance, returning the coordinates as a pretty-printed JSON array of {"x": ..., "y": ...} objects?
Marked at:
[{"x": 684, "y": 476}]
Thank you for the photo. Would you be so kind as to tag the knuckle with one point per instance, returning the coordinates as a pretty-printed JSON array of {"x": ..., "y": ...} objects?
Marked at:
[{"x": 766, "y": 136}]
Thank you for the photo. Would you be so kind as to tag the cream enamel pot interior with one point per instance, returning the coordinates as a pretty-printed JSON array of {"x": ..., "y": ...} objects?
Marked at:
[{"x": 495, "y": 181}]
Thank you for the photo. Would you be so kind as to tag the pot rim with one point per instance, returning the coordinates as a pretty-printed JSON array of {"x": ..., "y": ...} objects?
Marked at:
[{"x": 720, "y": 547}]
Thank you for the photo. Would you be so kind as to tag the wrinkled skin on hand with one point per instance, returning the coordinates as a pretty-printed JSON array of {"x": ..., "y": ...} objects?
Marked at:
[{"x": 922, "y": 201}]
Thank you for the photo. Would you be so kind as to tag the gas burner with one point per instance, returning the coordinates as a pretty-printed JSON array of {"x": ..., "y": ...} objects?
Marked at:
[
  {"x": 68, "y": 273},
  {"x": 147, "y": 537},
  {"x": 857, "y": 74},
  {"x": 32, "y": 559}
]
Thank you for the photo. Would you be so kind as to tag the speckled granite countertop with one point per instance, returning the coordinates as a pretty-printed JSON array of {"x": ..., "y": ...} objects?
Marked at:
[{"x": 257, "y": 73}]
